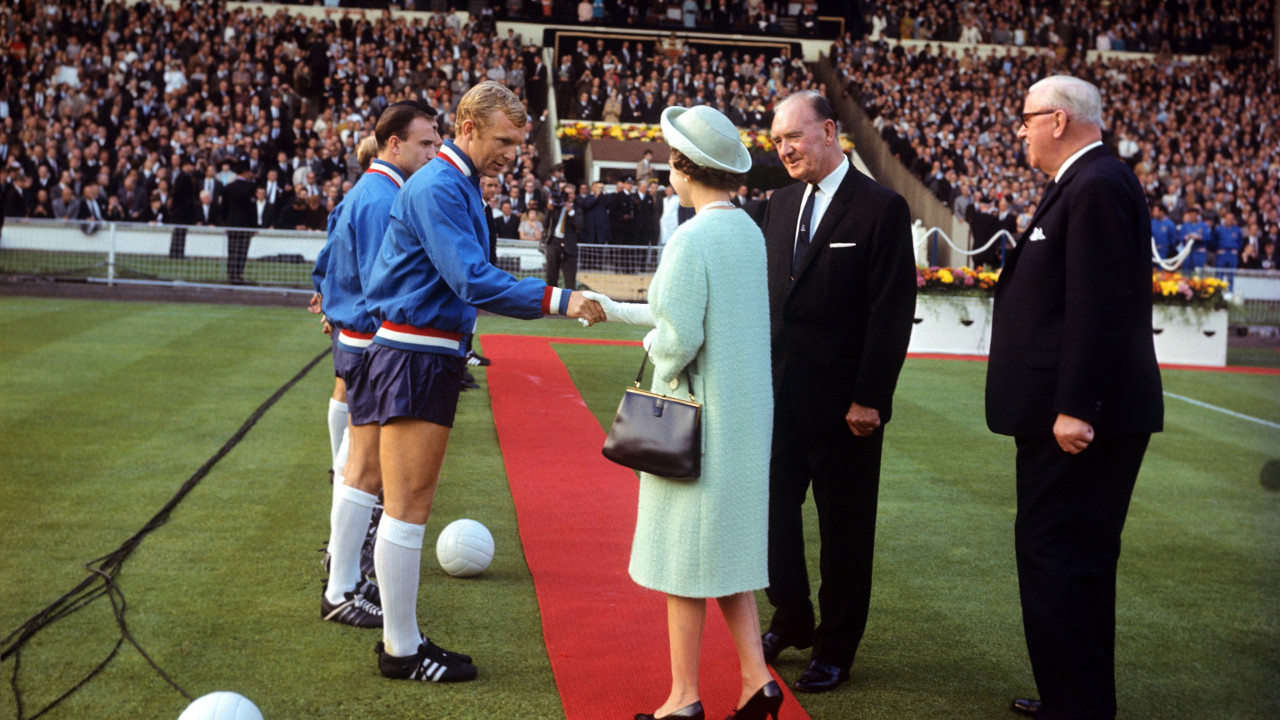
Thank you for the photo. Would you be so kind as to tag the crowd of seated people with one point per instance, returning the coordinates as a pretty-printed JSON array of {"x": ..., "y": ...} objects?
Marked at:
[
  {"x": 1178, "y": 26},
  {"x": 753, "y": 16},
  {"x": 1199, "y": 135},
  {"x": 633, "y": 82},
  {"x": 152, "y": 107}
]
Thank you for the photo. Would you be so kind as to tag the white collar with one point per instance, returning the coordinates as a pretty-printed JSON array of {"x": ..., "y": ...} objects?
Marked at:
[
  {"x": 1075, "y": 157},
  {"x": 829, "y": 184}
]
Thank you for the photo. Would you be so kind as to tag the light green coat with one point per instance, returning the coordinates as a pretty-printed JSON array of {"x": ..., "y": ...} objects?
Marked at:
[{"x": 710, "y": 302}]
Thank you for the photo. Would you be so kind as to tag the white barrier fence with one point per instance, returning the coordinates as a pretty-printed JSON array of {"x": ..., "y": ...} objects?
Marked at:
[{"x": 118, "y": 252}]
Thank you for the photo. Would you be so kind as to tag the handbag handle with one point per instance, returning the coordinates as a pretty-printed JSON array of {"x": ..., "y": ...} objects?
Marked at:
[{"x": 640, "y": 376}]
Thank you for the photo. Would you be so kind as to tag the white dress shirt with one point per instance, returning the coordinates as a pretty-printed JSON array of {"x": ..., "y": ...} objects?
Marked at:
[{"x": 826, "y": 192}]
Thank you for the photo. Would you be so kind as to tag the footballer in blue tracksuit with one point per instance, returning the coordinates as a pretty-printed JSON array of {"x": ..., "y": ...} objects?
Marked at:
[
  {"x": 431, "y": 274},
  {"x": 1193, "y": 229},
  {"x": 1226, "y": 242},
  {"x": 1163, "y": 232},
  {"x": 407, "y": 139}
]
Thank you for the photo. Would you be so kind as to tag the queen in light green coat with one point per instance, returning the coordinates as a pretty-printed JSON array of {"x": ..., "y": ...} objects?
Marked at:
[{"x": 709, "y": 305}]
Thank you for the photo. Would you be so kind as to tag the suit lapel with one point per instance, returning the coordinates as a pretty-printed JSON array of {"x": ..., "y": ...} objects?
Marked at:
[{"x": 783, "y": 244}]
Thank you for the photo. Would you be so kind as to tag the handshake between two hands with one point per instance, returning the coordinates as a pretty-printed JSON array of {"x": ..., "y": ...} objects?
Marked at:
[{"x": 592, "y": 307}]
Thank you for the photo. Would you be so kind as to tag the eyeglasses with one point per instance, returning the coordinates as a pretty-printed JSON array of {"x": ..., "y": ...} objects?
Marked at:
[{"x": 1026, "y": 116}]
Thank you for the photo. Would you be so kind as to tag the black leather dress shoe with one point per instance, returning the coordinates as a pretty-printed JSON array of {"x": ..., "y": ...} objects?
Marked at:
[
  {"x": 820, "y": 677},
  {"x": 1025, "y": 706},
  {"x": 773, "y": 645}
]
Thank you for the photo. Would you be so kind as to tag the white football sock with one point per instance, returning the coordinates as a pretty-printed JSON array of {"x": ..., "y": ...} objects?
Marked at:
[
  {"x": 348, "y": 522},
  {"x": 344, "y": 449},
  {"x": 337, "y": 424},
  {"x": 340, "y": 465},
  {"x": 397, "y": 556}
]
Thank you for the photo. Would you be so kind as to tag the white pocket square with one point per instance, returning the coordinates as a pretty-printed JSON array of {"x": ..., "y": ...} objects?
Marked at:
[
  {"x": 1036, "y": 234},
  {"x": 836, "y": 246}
]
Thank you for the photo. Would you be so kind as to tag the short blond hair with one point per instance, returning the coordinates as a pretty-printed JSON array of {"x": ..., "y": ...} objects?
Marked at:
[
  {"x": 366, "y": 151},
  {"x": 483, "y": 100}
]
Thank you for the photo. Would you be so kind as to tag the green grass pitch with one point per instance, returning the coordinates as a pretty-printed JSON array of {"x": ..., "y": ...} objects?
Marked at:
[{"x": 107, "y": 408}]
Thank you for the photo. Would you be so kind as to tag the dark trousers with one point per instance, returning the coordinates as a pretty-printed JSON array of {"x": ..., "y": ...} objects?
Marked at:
[
  {"x": 1071, "y": 511},
  {"x": 560, "y": 260},
  {"x": 178, "y": 243},
  {"x": 845, "y": 472},
  {"x": 237, "y": 253}
]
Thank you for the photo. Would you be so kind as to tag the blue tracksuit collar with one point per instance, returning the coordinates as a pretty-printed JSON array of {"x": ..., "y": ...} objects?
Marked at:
[
  {"x": 388, "y": 169},
  {"x": 452, "y": 154}
]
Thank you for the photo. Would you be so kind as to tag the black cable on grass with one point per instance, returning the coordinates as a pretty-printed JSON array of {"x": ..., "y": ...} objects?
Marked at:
[{"x": 103, "y": 571}]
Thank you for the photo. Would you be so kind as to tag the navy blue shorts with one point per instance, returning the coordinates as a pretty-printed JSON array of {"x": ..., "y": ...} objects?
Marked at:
[
  {"x": 345, "y": 362},
  {"x": 403, "y": 383}
]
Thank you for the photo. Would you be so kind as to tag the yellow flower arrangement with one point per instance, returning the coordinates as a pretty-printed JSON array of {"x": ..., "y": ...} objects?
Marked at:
[
  {"x": 956, "y": 281},
  {"x": 579, "y": 132},
  {"x": 1174, "y": 289},
  {"x": 1167, "y": 288}
]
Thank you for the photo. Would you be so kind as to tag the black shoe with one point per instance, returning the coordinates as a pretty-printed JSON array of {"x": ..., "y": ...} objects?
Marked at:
[
  {"x": 354, "y": 610},
  {"x": 475, "y": 359},
  {"x": 469, "y": 381},
  {"x": 454, "y": 656},
  {"x": 764, "y": 703},
  {"x": 773, "y": 645},
  {"x": 429, "y": 664},
  {"x": 820, "y": 677},
  {"x": 688, "y": 712},
  {"x": 1025, "y": 706}
]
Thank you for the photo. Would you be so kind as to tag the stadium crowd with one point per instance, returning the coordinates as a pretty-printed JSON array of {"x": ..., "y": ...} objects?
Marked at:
[
  {"x": 1179, "y": 26},
  {"x": 633, "y": 83},
  {"x": 145, "y": 112},
  {"x": 1197, "y": 133}
]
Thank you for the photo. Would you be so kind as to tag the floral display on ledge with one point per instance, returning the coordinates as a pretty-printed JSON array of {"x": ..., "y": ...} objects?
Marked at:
[
  {"x": 956, "y": 281},
  {"x": 1207, "y": 293},
  {"x": 579, "y": 132}
]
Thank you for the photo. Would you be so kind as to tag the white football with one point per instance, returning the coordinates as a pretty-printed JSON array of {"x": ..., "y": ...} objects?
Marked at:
[
  {"x": 465, "y": 548},
  {"x": 221, "y": 706}
]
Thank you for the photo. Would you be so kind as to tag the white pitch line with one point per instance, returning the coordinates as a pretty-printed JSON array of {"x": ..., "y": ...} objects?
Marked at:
[{"x": 1225, "y": 411}]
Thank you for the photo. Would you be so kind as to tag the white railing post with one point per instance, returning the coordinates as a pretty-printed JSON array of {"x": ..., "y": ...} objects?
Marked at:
[{"x": 111, "y": 255}]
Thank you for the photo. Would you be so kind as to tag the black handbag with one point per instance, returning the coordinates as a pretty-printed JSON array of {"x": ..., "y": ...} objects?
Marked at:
[{"x": 656, "y": 434}]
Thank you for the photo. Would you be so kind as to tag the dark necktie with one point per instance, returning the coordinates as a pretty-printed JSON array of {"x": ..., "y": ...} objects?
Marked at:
[{"x": 802, "y": 235}]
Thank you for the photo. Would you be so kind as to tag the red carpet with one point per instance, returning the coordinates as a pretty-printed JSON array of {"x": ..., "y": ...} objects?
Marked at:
[{"x": 605, "y": 635}]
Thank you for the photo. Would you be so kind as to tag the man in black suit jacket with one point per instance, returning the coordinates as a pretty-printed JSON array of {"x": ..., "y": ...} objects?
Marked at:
[
  {"x": 184, "y": 207},
  {"x": 842, "y": 293},
  {"x": 1073, "y": 377},
  {"x": 508, "y": 224},
  {"x": 238, "y": 212},
  {"x": 564, "y": 223}
]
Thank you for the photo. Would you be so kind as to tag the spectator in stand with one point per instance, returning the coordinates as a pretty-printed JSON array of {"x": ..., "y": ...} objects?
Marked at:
[
  {"x": 532, "y": 228},
  {"x": 66, "y": 206},
  {"x": 207, "y": 211},
  {"x": 508, "y": 223},
  {"x": 1268, "y": 259}
]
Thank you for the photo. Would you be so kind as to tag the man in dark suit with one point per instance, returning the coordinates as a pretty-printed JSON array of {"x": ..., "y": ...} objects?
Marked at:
[
  {"x": 237, "y": 212},
  {"x": 508, "y": 223},
  {"x": 1073, "y": 377},
  {"x": 183, "y": 204},
  {"x": 842, "y": 293},
  {"x": 564, "y": 223}
]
